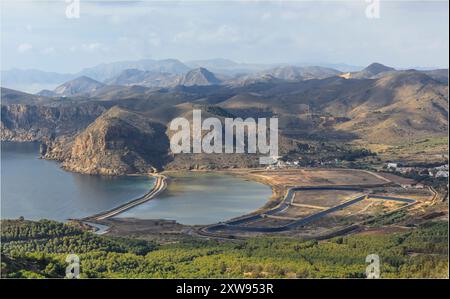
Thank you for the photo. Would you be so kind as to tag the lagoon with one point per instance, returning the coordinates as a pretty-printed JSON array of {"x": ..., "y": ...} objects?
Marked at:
[
  {"x": 203, "y": 198},
  {"x": 35, "y": 188}
]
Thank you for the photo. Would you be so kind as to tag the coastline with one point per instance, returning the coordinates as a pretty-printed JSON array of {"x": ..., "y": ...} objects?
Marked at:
[
  {"x": 105, "y": 218},
  {"x": 159, "y": 186},
  {"x": 278, "y": 192},
  {"x": 162, "y": 228},
  {"x": 169, "y": 230}
]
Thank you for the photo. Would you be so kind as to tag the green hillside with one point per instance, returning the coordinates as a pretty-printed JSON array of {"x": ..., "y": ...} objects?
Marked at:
[{"x": 38, "y": 249}]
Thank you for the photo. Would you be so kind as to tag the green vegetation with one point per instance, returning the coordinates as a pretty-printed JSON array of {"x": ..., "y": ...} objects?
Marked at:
[
  {"x": 390, "y": 218},
  {"x": 315, "y": 153},
  {"x": 422, "y": 145},
  {"x": 428, "y": 150},
  {"x": 38, "y": 249}
]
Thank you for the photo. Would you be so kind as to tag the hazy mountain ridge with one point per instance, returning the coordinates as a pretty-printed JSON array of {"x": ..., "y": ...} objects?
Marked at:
[
  {"x": 288, "y": 73},
  {"x": 440, "y": 75},
  {"x": 167, "y": 73},
  {"x": 33, "y": 76},
  {"x": 106, "y": 71},
  {"x": 194, "y": 77},
  {"x": 227, "y": 66},
  {"x": 144, "y": 78},
  {"x": 31, "y": 80},
  {"x": 391, "y": 107}
]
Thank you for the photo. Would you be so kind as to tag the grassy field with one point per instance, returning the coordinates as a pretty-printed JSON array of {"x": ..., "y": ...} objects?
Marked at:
[
  {"x": 39, "y": 249},
  {"x": 422, "y": 150}
]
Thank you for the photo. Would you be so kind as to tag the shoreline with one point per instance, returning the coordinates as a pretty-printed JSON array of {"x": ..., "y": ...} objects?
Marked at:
[
  {"x": 159, "y": 186},
  {"x": 103, "y": 218},
  {"x": 275, "y": 200},
  {"x": 164, "y": 229}
]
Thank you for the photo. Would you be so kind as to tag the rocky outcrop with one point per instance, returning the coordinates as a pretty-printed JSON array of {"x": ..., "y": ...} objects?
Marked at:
[
  {"x": 24, "y": 122},
  {"x": 390, "y": 108},
  {"x": 118, "y": 142}
]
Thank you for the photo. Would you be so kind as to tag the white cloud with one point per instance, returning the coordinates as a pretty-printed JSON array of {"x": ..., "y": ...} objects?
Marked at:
[
  {"x": 24, "y": 47},
  {"x": 253, "y": 31}
]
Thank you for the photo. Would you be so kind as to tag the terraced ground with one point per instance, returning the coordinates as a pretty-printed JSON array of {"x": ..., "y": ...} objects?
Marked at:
[{"x": 319, "y": 208}]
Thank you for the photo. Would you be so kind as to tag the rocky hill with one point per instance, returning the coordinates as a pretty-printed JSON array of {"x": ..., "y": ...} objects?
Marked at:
[
  {"x": 199, "y": 77},
  {"x": 371, "y": 71},
  {"x": 79, "y": 86},
  {"x": 26, "y": 117},
  {"x": 389, "y": 109},
  {"x": 117, "y": 142}
]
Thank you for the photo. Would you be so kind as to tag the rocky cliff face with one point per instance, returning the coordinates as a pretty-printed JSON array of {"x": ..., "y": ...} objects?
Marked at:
[
  {"x": 389, "y": 109},
  {"x": 118, "y": 142},
  {"x": 24, "y": 122}
]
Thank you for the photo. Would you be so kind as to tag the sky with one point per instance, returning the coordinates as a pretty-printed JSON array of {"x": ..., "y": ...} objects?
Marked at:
[{"x": 38, "y": 34}]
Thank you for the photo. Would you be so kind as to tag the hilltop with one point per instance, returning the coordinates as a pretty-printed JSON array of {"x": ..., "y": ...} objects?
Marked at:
[
  {"x": 322, "y": 115},
  {"x": 117, "y": 142}
]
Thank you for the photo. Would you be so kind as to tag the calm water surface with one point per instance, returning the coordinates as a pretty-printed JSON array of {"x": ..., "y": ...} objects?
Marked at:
[
  {"x": 203, "y": 198},
  {"x": 36, "y": 188}
]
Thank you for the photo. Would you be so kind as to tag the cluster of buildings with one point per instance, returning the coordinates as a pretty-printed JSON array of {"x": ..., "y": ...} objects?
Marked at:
[
  {"x": 436, "y": 172},
  {"x": 284, "y": 164},
  {"x": 280, "y": 164}
]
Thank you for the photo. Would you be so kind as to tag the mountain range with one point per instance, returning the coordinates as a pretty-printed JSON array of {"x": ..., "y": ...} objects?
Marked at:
[
  {"x": 169, "y": 73},
  {"x": 320, "y": 110},
  {"x": 195, "y": 77},
  {"x": 159, "y": 72}
]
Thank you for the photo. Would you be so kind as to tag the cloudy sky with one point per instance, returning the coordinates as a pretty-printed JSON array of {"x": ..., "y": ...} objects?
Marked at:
[{"x": 38, "y": 34}]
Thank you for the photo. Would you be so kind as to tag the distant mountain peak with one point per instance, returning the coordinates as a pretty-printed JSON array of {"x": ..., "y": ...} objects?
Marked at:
[
  {"x": 199, "y": 76},
  {"x": 376, "y": 68},
  {"x": 79, "y": 85},
  {"x": 107, "y": 71}
]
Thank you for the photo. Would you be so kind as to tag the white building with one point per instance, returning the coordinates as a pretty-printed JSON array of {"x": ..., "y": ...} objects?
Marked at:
[
  {"x": 442, "y": 174},
  {"x": 392, "y": 165},
  {"x": 442, "y": 167}
]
